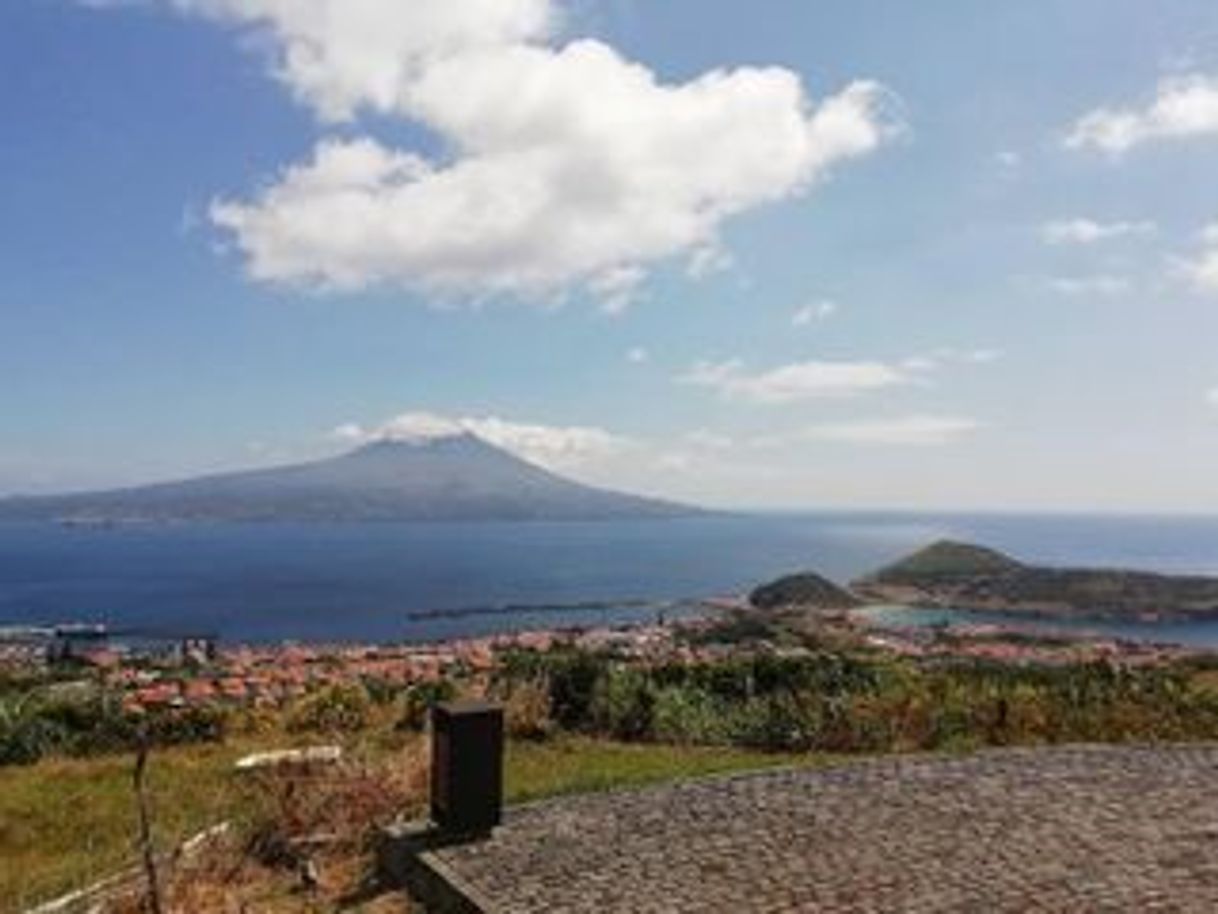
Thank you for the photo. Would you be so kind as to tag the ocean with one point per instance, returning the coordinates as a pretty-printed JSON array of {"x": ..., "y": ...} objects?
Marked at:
[{"x": 385, "y": 581}]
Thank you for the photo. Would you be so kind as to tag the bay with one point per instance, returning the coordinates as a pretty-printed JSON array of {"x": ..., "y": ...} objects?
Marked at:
[{"x": 369, "y": 582}]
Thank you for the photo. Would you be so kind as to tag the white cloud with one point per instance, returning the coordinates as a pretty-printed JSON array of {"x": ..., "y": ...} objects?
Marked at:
[
  {"x": 938, "y": 358},
  {"x": 813, "y": 312},
  {"x": 916, "y": 430},
  {"x": 570, "y": 165},
  {"x": 1101, "y": 285},
  {"x": 1212, "y": 396},
  {"x": 815, "y": 379},
  {"x": 617, "y": 288},
  {"x": 548, "y": 445},
  {"x": 343, "y": 56},
  {"x": 1184, "y": 106},
  {"x": 637, "y": 355},
  {"x": 795, "y": 382},
  {"x": 349, "y": 431},
  {"x": 1088, "y": 231},
  {"x": 708, "y": 260},
  {"x": 1202, "y": 269}
]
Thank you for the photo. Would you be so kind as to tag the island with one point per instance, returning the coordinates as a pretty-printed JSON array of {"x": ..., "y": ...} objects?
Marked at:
[
  {"x": 805, "y": 590},
  {"x": 955, "y": 575},
  {"x": 457, "y": 477}
]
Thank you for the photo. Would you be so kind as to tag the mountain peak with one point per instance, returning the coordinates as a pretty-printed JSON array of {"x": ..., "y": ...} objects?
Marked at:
[{"x": 448, "y": 476}]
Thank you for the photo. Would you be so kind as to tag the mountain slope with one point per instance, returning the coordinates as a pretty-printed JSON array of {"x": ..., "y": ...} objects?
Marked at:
[{"x": 459, "y": 477}]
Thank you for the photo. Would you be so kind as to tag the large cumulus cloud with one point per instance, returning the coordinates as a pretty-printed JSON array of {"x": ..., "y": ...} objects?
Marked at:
[{"x": 566, "y": 164}]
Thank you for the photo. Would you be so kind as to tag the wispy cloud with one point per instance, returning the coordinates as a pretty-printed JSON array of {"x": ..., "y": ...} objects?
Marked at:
[
  {"x": 1088, "y": 231},
  {"x": 813, "y": 312},
  {"x": 1183, "y": 106},
  {"x": 1097, "y": 285},
  {"x": 820, "y": 379},
  {"x": 1201, "y": 269},
  {"x": 795, "y": 382},
  {"x": 938, "y": 358},
  {"x": 912, "y": 430}
]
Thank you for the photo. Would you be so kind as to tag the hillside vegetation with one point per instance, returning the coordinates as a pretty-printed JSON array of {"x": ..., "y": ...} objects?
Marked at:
[
  {"x": 806, "y": 590},
  {"x": 959, "y": 575},
  {"x": 948, "y": 560}
]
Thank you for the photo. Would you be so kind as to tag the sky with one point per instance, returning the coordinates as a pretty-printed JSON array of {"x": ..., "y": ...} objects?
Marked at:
[{"x": 777, "y": 255}]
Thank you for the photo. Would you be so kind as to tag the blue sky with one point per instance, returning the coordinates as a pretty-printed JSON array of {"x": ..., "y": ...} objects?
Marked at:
[{"x": 886, "y": 254}]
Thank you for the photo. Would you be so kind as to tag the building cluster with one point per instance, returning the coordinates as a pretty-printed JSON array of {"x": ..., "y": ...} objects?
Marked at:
[
  {"x": 1003, "y": 645},
  {"x": 195, "y": 673},
  {"x": 275, "y": 675}
]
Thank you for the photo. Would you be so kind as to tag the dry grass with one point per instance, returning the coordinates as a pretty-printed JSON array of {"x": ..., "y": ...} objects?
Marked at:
[
  {"x": 301, "y": 841},
  {"x": 335, "y": 806},
  {"x": 527, "y": 711},
  {"x": 67, "y": 823}
]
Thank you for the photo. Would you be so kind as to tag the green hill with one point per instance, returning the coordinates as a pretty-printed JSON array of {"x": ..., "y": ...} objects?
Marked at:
[
  {"x": 962, "y": 576},
  {"x": 947, "y": 560},
  {"x": 805, "y": 590}
]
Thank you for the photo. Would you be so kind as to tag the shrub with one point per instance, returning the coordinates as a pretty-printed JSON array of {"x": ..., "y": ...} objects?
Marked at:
[
  {"x": 295, "y": 812},
  {"x": 190, "y": 725},
  {"x": 684, "y": 715},
  {"x": 25, "y": 741},
  {"x": 35, "y": 725},
  {"x": 381, "y": 691},
  {"x": 849, "y": 701},
  {"x": 622, "y": 703},
  {"x": 573, "y": 685},
  {"x": 418, "y": 701},
  {"x": 526, "y": 710},
  {"x": 333, "y": 709}
]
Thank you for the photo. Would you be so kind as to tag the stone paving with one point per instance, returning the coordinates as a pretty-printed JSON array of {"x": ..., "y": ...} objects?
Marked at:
[{"x": 1075, "y": 829}]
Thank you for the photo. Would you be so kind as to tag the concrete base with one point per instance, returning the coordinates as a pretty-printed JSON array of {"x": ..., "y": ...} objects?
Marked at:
[{"x": 405, "y": 859}]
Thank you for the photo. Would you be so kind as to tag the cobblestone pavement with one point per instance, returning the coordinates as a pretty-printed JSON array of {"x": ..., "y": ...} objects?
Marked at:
[{"x": 1057, "y": 829}]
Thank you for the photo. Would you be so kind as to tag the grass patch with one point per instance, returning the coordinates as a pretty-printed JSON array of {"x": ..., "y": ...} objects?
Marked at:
[
  {"x": 66, "y": 823},
  {"x": 574, "y": 764}
]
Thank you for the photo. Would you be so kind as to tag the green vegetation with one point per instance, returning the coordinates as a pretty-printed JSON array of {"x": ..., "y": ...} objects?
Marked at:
[
  {"x": 333, "y": 710},
  {"x": 858, "y": 702},
  {"x": 947, "y": 560},
  {"x": 575, "y": 764},
  {"x": 807, "y": 590},
  {"x": 960, "y": 575},
  {"x": 65, "y": 823},
  {"x": 39, "y": 719},
  {"x": 578, "y": 721},
  {"x": 418, "y": 701}
]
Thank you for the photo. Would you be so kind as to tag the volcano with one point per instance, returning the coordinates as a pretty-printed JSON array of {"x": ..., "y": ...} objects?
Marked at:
[{"x": 449, "y": 478}]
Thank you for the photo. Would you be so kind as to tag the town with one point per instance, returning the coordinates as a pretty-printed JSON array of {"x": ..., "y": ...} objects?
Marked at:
[{"x": 194, "y": 672}]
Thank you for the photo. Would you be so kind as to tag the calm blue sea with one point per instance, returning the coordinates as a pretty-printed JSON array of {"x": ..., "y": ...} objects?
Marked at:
[{"x": 274, "y": 582}]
